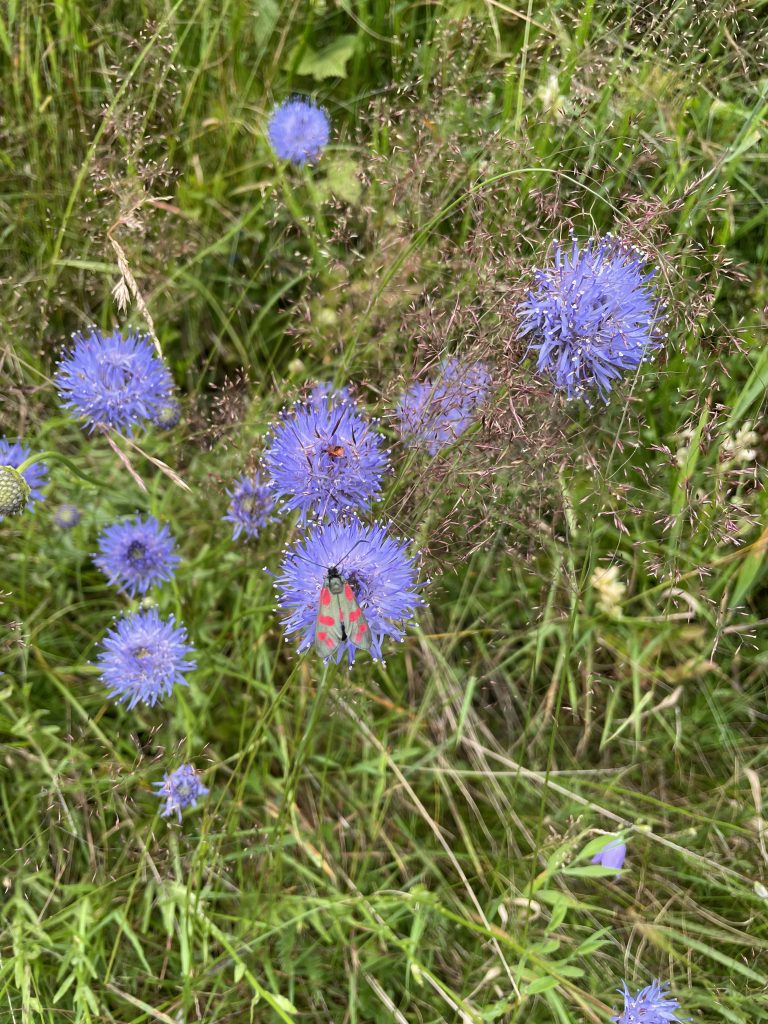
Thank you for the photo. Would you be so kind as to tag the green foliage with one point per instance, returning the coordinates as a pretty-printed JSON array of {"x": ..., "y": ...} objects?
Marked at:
[{"x": 409, "y": 840}]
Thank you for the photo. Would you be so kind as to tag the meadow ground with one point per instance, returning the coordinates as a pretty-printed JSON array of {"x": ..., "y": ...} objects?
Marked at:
[{"x": 404, "y": 840}]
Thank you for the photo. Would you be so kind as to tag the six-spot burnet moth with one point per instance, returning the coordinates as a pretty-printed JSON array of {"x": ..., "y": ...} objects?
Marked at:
[{"x": 339, "y": 616}]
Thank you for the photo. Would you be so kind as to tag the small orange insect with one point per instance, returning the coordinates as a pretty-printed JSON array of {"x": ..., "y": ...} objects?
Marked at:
[{"x": 335, "y": 451}]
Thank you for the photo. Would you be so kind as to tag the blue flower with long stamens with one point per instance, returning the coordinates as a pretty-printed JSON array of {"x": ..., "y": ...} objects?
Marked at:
[
  {"x": 651, "y": 1005},
  {"x": 382, "y": 574},
  {"x": 592, "y": 316},
  {"x": 436, "y": 413},
  {"x": 298, "y": 131},
  {"x": 66, "y": 516},
  {"x": 251, "y": 506},
  {"x": 181, "y": 788},
  {"x": 114, "y": 381},
  {"x": 324, "y": 457},
  {"x": 137, "y": 554}
]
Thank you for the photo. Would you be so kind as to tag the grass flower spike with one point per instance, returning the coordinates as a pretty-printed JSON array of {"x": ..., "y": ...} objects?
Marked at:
[
  {"x": 137, "y": 554},
  {"x": 592, "y": 316},
  {"x": 143, "y": 657},
  {"x": 298, "y": 131},
  {"x": 114, "y": 381},
  {"x": 181, "y": 788},
  {"x": 323, "y": 457},
  {"x": 377, "y": 566}
]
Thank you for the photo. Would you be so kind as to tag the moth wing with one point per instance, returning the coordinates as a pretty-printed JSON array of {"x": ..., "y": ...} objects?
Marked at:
[
  {"x": 355, "y": 624},
  {"x": 329, "y": 623}
]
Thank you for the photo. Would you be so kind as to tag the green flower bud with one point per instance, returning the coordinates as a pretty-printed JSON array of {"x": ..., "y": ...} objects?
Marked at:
[{"x": 14, "y": 491}]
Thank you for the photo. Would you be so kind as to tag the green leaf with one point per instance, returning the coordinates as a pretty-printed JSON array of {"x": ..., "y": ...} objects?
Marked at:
[
  {"x": 342, "y": 181},
  {"x": 330, "y": 62}
]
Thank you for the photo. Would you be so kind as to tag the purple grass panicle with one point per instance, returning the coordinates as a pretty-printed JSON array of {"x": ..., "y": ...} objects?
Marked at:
[
  {"x": 651, "y": 1005},
  {"x": 298, "y": 130},
  {"x": 137, "y": 554},
  {"x": 113, "y": 381},
  {"x": 323, "y": 457},
  {"x": 180, "y": 788},
  {"x": 143, "y": 657},
  {"x": 592, "y": 316},
  {"x": 251, "y": 505},
  {"x": 377, "y": 566},
  {"x": 434, "y": 414}
]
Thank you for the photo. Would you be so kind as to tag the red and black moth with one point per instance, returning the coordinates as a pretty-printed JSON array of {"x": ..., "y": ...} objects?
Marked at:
[{"x": 339, "y": 616}]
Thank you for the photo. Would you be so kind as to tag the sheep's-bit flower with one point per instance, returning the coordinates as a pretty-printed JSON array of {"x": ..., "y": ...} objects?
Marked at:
[
  {"x": 651, "y": 1005},
  {"x": 143, "y": 657},
  {"x": 14, "y": 492},
  {"x": 738, "y": 447},
  {"x": 298, "y": 131},
  {"x": 19, "y": 495},
  {"x": 612, "y": 855},
  {"x": 168, "y": 415},
  {"x": 113, "y": 381},
  {"x": 377, "y": 566},
  {"x": 436, "y": 413},
  {"x": 180, "y": 789},
  {"x": 592, "y": 315},
  {"x": 610, "y": 590},
  {"x": 66, "y": 516},
  {"x": 136, "y": 554},
  {"x": 324, "y": 457},
  {"x": 251, "y": 505}
]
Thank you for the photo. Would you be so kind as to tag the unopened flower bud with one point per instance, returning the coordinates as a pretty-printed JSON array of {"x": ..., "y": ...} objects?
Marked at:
[{"x": 14, "y": 491}]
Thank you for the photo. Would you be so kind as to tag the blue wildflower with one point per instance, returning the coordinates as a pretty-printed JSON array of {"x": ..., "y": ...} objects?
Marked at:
[
  {"x": 380, "y": 571},
  {"x": 324, "y": 457},
  {"x": 592, "y": 315},
  {"x": 250, "y": 507},
  {"x": 143, "y": 656},
  {"x": 298, "y": 131},
  {"x": 612, "y": 855},
  {"x": 113, "y": 381},
  {"x": 35, "y": 476},
  {"x": 168, "y": 415},
  {"x": 436, "y": 413},
  {"x": 651, "y": 1005},
  {"x": 181, "y": 788},
  {"x": 66, "y": 516},
  {"x": 135, "y": 555}
]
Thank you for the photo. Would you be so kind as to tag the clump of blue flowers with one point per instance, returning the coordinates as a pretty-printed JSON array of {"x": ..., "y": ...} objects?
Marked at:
[
  {"x": 612, "y": 855},
  {"x": 651, "y": 1005},
  {"x": 66, "y": 516},
  {"x": 592, "y": 315},
  {"x": 181, "y": 788},
  {"x": 136, "y": 554},
  {"x": 298, "y": 131},
  {"x": 250, "y": 507},
  {"x": 382, "y": 574},
  {"x": 114, "y": 381},
  {"x": 20, "y": 494},
  {"x": 324, "y": 457},
  {"x": 143, "y": 657},
  {"x": 436, "y": 413}
]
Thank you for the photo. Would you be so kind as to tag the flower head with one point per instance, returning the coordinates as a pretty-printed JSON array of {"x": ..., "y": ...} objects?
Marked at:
[
  {"x": 610, "y": 590},
  {"x": 136, "y": 554},
  {"x": 35, "y": 477},
  {"x": 168, "y": 415},
  {"x": 592, "y": 315},
  {"x": 298, "y": 131},
  {"x": 324, "y": 457},
  {"x": 377, "y": 566},
  {"x": 612, "y": 855},
  {"x": 180, "y": 789},
  {"x": 66, "y": 516},
  {"x": 651, "y": 1005},
  {"x": 250, "y": 507},
  {"x": 435, "y": 413},
  {"x": 14, "y": 492},
  {"x": 143, "y": 656},
  {"x": 113, "y": 381}
]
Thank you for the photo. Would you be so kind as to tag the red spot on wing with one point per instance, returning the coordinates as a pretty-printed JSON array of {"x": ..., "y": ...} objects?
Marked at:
[
  {"x": 325, "y": 596},
  {"x": 355, "y": 615},
  {"x": 326, "y": 639},
  {"x": 348, "y": 592},
  {"x": 326, "y": 620},
  {"x": 360, "y": 631}
]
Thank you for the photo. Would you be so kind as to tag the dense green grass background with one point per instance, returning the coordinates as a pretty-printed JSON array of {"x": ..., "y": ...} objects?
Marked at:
[{"x": 399, "y": 842}]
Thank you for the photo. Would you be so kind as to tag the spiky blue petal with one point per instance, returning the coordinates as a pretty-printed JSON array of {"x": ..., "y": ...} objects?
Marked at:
[{"x": 651, "y": 1005}]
